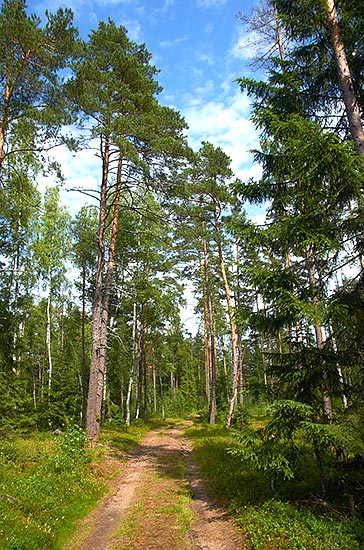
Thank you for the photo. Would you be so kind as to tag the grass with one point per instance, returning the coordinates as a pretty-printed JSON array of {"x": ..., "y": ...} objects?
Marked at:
[
  {"x": 289, "y": 518},
  {"x": 47, "y": 483},
  {"x": 162, "y": 506}
]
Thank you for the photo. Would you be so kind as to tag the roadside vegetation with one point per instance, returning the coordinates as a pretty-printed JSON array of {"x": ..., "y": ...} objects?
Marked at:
[
  {"x": 48, "y": 482},
  {"x": 278, "y": 511}
]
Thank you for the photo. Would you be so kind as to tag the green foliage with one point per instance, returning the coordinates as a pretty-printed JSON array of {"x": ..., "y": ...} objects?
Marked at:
[
  {"x": 276, "y": 525},
  {"x": 291, "y": 518},
  {"x": 73, "y": 450},
  {"x": 276, "y": 448},
  {"x": 46, "y": 484},
  {"x": 243, "y": 418}
]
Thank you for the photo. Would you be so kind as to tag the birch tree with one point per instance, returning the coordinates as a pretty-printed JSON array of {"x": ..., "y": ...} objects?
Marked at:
[{"x": 51, "y": 251}]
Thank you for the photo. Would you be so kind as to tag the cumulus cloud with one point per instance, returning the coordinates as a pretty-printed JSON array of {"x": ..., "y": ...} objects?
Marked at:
[
  {"x": 134, "y": 29},
  {"x": 222, "y": 121},
  {"x": 81, "y": 173},
  {"x": 225, "y": 123},
  {"x": 114, "y": 2},
  {"x": 243, "y": 48},
  {"x": 205, "y": 58}
]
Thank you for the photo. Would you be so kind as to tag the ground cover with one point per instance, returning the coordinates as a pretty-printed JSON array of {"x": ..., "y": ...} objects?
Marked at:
[
  {"x": 284, "y": 515},
  {"x": 47, "y": 482}
]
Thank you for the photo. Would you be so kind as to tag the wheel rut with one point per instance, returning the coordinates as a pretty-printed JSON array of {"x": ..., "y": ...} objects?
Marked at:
[{"x": 158, "y": 501}]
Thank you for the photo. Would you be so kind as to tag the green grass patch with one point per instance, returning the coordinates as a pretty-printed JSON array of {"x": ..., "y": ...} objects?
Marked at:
[
  {"x": 290, "y": 517},
  {"x": 47, "y": 483},
  {"x": 181, "y": 510},
  {"x": 124, "y": 438}
]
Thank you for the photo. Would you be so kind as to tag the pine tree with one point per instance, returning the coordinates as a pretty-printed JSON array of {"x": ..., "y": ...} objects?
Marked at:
[
  {"x": 31, "y": 88},
  {"x": 114, "y": 87}
]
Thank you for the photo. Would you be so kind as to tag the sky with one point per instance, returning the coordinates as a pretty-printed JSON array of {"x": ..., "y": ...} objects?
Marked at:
[{"x": 200, "y": 49}]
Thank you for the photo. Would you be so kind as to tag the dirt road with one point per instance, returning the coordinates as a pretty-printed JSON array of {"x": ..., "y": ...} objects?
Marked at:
[{"x": 158, "y": 502}]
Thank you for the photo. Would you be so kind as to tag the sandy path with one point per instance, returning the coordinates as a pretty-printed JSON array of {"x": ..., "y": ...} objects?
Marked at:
[{"x": 142, "y": 510}]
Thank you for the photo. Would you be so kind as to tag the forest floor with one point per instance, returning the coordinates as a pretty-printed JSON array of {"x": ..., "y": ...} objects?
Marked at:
[{"x": 157, "y": 501}]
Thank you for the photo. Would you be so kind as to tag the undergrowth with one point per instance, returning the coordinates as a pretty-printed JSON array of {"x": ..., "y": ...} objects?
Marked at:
[
  {"x": 286, "y": 515},
  {"x": 47, "y": 483}
]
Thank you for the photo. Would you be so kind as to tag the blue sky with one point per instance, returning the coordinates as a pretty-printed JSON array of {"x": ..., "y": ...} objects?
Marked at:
[{"x": 198, "y": 46}]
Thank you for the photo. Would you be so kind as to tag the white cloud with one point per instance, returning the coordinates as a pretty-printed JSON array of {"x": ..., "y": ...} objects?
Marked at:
[
  {"x": 243, "y": 48},
  {"x": 114, "y": 2},
  {"x": 167, "y": 4},
  {"x": 205, "y": 58},
  {"x": 188, "y": 316},
  {"x": 204, "y": 90},
  {"x": 209, "y": 3},
  {"x": 259, "y": 219},
  {"x": 81, "y": 172},
  {"x": 225, "y": 124},
  {"x": 134, "y": 29},
  {"x": 174, "y": 42},
  {"x": 209, "y": 28}
]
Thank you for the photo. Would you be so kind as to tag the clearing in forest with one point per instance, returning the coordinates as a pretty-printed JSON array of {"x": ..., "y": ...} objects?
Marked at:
[{"x": 158, "y": 501}]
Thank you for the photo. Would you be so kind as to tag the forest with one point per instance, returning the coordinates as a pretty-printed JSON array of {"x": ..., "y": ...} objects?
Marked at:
[{"x": 90, "y": 304}]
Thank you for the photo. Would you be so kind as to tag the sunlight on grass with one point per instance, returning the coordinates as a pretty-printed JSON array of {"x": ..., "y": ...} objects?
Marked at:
[
  {"x": 271, "y": 520},
  {"x": 47, "y": 483}
]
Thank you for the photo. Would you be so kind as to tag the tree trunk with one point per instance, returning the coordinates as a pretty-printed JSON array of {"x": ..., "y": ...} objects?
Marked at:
[
  {"x": 345, "y": 79},
  {"x": 154, "y": 378},
  {"x": 48, "y": 333},
  {"x": 133, "y": 367},
  {"x": 234, "y": 347},
  {"x": 278, "y": 34},
  {"x": 206, "y": 340},
  {"x": 213, "y": 361},
  {"x": 230, "y": 308},
  {"x": 100, "y": 308},
  {"x": 83, "y": 348},
  {"x": 143, "y": 360},
  {"x": 96, "y": 377},
  {"x": 162, "y": 397},
  {"x": 210, "y": 356},
  {"x": 4, "y": 121},
  {"x": 318, "y": 332}
]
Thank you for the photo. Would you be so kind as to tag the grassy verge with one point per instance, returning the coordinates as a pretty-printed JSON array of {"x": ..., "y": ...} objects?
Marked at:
[
  {"x": 47, "y": 483},
  {"x": 288, "y": 518}
]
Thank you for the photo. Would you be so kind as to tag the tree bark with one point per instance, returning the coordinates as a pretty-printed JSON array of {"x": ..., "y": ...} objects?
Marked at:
[
  {"x": 346, "y": 83},
  {"x": 143, "y": 360},
  {"x": 134, "y": 366},
  {"x": 318, "y": 332},
  {"x": 83, "y": 348},
  {"x": 100, "y": 308},
  {"x": 206, "y": 342},
  {"x": 230, "y": 307},
  {"x": 210, "y": 337},
  {"x": 48, "y": 332},
  {"x": 213, "y": 361}
]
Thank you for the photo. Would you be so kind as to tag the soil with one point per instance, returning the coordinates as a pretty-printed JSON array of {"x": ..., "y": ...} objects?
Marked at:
[{"x": 158, "y": 501}]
